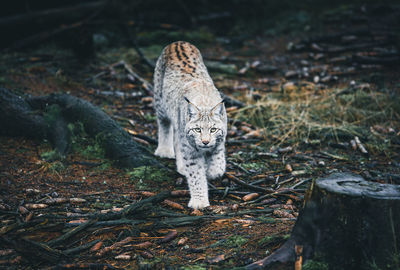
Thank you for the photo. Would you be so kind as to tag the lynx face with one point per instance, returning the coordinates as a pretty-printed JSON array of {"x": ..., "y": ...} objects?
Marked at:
[{"x": 205, "y": 128}]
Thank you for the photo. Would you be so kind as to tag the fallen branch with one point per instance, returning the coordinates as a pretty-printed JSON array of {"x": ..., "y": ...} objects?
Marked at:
[
  {"x": 146, "y": 85},
  {"x": 244, "y": 184},
  {"x": 71, "y": 233},
  {"x": 34, "y": 251},
  {"x": 79, "y": 249},
  {"x": 21, "y": 117}
]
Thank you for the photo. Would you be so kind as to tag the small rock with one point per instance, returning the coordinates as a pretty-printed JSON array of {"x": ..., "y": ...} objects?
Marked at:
[
  {"x": 77, "y": 200},
  {"x": 304, "y": 62},
  {"x": 291, "y": 73},
  {"x": 321, "y": 163},
  {"x": 179, "y": 182},
  {"x": 123, "y": 257}
]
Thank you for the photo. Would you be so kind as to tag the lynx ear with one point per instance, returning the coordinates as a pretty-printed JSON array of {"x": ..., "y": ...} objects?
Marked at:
[
  {"x": 218, "y": 109},
  {"x": 192, "y": 109}
]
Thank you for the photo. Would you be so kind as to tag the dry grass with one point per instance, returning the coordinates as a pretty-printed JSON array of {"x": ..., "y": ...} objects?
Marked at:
[{"x": 302, "y": 113}]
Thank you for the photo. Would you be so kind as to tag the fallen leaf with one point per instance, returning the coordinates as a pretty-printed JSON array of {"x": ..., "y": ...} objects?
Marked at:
[
  {"x": 52, "y": 201},
  {"x": 147, "y": 254},
  {"x": 147, "y": 193},
  {"x": 97, "y": 246},
  {"x": 174, "y": 205},
  {"x": 77, "y": 200},
  {"x": 284, "y": 214},
  {"x": 245, "y": 221},
  {"x": 29, "y": 217},
  {"x": 169, "y": 237},
  {"x": 180, "y": 193},
  {"x": 216, "y": 259},
  {"x": 182, "y": 241},
  {"x": 36, "y": 205},
  {"x": 250, "y": 197},
  {"x": 146, "y": 244},
  {"x": 77, "y": 221}
]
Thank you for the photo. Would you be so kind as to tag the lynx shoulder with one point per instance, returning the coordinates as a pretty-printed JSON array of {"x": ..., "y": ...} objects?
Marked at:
[{"x": 191, "y": 118}]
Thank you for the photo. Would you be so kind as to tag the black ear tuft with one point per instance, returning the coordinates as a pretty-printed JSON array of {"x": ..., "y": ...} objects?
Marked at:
[
  {"x": 192, "y": 109},
  {"x": 218, "y": 109}
]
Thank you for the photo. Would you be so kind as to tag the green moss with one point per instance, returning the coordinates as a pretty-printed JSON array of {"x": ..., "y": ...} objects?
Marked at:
[
  {"x": 144, "y": 175},
  {"x": 150, "y": 117},
  {"x": 315, "y": 265},
  {"x": 81, "y": 143},
  {"x": 94, "y": 151},
  {"x": 56, "y": 167},
  {"x": 272, "y": 239},
  {"x": 254, "y": 165},
  {"x": 103, "y": 167},
  {"x": 194, "y": 267},
  {"x": 268, "y": 220},
  {"x": 235, "y": 241},
  {"x": 51, "y": 155},
  {"x": 146, "y": 172}
]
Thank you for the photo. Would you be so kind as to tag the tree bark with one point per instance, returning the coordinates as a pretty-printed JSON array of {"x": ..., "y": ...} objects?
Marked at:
[
  {"x": 27, "y": 117},
  {"x": 348, "y": 222}
]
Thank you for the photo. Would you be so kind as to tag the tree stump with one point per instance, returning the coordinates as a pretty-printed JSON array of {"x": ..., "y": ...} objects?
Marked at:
[{"x": 346, "y": 222}]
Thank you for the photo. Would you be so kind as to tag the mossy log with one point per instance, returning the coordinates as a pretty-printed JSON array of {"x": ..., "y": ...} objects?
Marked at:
[
  {"x": 347, "y": 223},
  {"x": 47, "y": 117}
]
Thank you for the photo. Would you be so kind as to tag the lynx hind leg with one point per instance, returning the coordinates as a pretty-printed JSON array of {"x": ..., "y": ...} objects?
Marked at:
[
  {"x": 216, "y": 165},
  {"x": 165, "y": 146}
]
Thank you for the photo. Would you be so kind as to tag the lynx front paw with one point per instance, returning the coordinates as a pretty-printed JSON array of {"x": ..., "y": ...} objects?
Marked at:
[
  {"x": 215, "y": 172},
  {"x": 165, "y": 152},
  {"x": 198, "y": 203}
]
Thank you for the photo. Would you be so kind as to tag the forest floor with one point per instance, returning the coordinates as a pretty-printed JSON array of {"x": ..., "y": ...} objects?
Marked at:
[{"x": 310, "y": 108}]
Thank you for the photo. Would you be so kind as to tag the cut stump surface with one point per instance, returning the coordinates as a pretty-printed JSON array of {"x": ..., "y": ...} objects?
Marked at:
[{"x": 348, "y": 223}]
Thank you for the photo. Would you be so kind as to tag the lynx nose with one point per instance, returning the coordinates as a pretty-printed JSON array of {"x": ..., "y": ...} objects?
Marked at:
[{"x": 205, "y": 142}]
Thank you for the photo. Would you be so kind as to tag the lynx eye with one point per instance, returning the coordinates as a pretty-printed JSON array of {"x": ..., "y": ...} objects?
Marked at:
[
  {"x": 213, "y": 130},
  {"x": 198, "y": 130}
]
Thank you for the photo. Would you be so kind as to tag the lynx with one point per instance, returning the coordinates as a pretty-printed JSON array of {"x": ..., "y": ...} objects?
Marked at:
[{"x": 191, "y": 118}]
